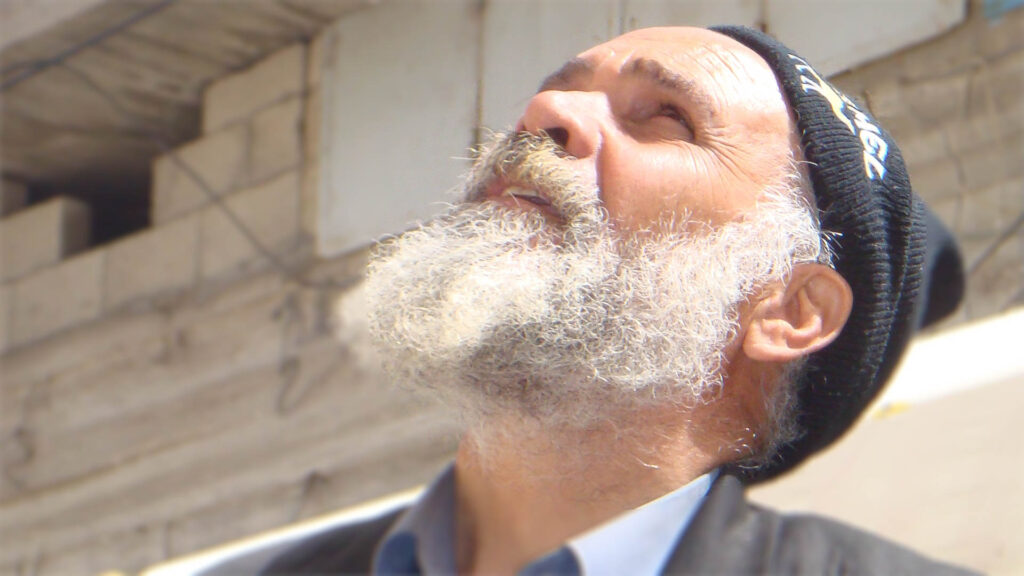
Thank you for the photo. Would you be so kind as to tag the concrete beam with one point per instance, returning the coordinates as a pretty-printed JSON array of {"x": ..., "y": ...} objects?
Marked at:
[{"x": 27, "y": 18}]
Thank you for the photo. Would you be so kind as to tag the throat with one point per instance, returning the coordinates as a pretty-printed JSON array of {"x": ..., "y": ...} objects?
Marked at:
[{"x": 524, "y": 493}]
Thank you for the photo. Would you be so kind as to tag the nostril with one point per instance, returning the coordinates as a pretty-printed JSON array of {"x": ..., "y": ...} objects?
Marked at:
[{"x": 559, "y": 135}]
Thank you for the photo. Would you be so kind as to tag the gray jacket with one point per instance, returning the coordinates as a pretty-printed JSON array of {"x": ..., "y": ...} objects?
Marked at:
[{"x": 727, "y": 536}]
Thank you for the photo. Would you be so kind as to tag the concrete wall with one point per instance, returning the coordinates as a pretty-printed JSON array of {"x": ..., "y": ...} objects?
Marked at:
[
  {"x": 175, "y": 390},
  {"x": 954, "y": 106},
  {"x": 463, "y": 67}
]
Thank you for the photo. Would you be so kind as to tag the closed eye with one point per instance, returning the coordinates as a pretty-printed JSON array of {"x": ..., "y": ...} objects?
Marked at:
[
  {"x": 672, "y": 111},
  {"x": 676, "y": 115}
]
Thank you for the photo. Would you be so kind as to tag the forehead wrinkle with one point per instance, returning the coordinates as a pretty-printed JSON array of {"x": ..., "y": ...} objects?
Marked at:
[
  {"x": 656, "y": 72},
  {"x": 716, "y": 60}
]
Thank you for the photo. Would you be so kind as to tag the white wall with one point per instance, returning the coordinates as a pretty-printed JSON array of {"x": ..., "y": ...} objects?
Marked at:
[{"x": 399, "y": 110}]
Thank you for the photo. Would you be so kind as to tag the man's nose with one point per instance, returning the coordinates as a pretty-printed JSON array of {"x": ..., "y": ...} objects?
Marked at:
[{"x": 572, "y": 119}]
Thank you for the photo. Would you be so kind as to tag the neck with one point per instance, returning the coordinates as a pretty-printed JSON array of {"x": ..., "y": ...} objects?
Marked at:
[{"x": 525, "y": 491}]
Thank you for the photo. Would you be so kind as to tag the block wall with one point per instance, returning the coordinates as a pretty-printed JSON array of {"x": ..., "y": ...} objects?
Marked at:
[
  {"x": 220, "y": 204},
  {"x": 954, "y": 104},
  {"x": 176, "y": 390}
]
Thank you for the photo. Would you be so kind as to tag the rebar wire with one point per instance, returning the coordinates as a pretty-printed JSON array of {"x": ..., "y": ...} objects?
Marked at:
[
  {"x": 31, "y": 68},
  {"x": 37, "y": 66},
  {"x": 216, "y": 199}
]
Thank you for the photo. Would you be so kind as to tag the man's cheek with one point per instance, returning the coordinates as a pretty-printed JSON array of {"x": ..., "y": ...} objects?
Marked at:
[{"x": 641, "y": 200}]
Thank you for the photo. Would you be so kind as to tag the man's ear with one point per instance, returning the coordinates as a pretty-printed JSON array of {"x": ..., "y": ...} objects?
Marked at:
[{"x": 801, "y": 317}]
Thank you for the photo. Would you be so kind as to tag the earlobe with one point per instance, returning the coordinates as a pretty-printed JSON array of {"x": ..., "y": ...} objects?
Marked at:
[{"x": 799, "y": 318}]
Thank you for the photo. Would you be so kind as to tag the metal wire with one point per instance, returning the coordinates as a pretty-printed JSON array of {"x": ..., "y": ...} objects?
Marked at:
[
  {"x": 38, "y": 66},
  {"x": 30, "y": 69},
  {"x": 214, "y": 198}
]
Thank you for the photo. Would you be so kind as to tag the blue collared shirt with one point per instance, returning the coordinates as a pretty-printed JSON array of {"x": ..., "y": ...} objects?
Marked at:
[{"x": 635, "y": 542}]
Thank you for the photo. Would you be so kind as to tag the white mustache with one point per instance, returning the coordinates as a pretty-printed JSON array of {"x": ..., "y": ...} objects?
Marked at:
[{"x": 536, "y": 162}]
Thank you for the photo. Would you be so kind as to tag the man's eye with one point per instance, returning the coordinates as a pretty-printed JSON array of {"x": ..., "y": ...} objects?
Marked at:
[
  {"x": 676, "y": 115},
  {"x": 671, "y": 111},
  {"x": 655, "y": 118}
]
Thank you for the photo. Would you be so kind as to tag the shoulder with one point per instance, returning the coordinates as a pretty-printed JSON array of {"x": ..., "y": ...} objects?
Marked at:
[
  {"x": 731, "y": 536},
  {"x": 807, "y": 543},
  {"x": 346, "y": 549}
]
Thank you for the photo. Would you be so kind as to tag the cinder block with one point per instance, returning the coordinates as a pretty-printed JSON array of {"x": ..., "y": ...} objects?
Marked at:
[
  {"x": 995, "y": 88},
  {"x": 270, "y": 211},
  {"x": 1005, "y": 79},
  {"x": 922, "y": 147},
  {"x": 953, "y": 51},
  {"x": 309, "y": 199},
  {"x": 5, "y": 316},
  {"x": 884, "y": 98},
  {"x": 937, "y": 100},
  {"x": 237, "y": 96},
  {"x": 58, "y": 298},
  {"x": 13, "y": 196},
  {"x": 1003, "y": 36},
  {"x": 990, "y": 211},
  {"x": 996, "y": 281},
  {"x": 42, "y": 235},
  {"x": 131, "y": 549},
  {"x": 988, "y": 165},
  {"x": 887, "y": 101},
  {"x": 151, "y": 263},
  {"x": 937, "y": 181},
  {"x": 276, "y": 140},
  {"x": 948, "y": 211},
  {"x": 983, "y": 129},
  {"x": 312, "y": 159},
  {"x": 315, "y": 59},
  {"x": 220, "y": 159},
  {"x": 313, "y": 125}
]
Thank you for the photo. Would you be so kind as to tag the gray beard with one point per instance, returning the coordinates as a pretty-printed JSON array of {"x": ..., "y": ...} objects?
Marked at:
[{"x": 499, "y": 312}]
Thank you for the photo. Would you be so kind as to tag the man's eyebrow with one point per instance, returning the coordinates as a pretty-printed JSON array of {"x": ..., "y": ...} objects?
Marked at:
[
  {"x": 574, "y": 69},
  {"x": 643, "y": 68},
  {"x": 656, "y": 72}
]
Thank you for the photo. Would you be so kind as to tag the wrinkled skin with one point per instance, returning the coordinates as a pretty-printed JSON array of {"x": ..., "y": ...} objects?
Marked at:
[{"x": 669, "y": 121}]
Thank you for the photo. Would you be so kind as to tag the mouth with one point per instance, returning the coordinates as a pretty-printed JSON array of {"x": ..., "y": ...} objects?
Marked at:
[
  {"x": 521, "y": 198},
  {"x": 526, "y": 194}
]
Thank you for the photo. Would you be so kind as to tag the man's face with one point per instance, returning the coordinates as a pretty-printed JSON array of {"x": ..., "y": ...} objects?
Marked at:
[
  {"x": 661, "y": 211},
  {"x": 668, "y": 121}
]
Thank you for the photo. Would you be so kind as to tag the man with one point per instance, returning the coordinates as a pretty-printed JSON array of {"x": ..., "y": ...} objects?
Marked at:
[{"x": 691, "y": 264}]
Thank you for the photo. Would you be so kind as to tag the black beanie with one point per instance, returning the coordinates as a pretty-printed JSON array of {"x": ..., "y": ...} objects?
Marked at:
[{"x": 863, "y": 194}]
